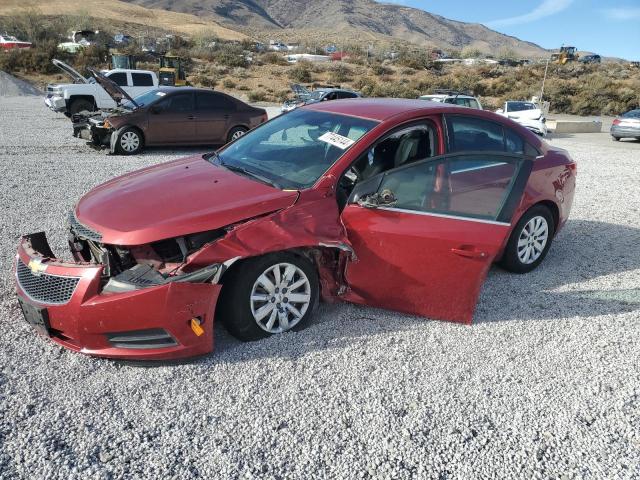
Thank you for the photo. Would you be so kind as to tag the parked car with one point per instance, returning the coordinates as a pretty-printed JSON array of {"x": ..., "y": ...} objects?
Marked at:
[
  {"x": 590, "y": 59},
  {"x": 85, "y": 94},
  {"x": 365, "y": 201},
  {"x": 527, "y": 114},
  {"x": 626, "y": 125},
  {"x": 453, "y": 97},
  {"x": 303, "y": 96},
  {"x": 9, "y": 42},
  {"x": 168, "y": 116}
]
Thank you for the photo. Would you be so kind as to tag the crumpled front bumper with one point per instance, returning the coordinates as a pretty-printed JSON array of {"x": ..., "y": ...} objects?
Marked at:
[{"x": 125, "y": 325}]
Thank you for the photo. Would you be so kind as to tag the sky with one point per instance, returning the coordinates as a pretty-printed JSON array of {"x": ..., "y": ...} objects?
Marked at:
[{"x": 607, "y": 27}]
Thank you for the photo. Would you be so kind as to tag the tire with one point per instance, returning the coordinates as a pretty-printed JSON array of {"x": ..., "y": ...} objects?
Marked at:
[
  {"x": 129, "y": 142},
  {"x": 80, "y": 105},
  {"x": 235, "y": 133},
  {"x": 251, "y": 312},
  {"x": 615, "y": 139},
  {"x": 523, "y": 253}
]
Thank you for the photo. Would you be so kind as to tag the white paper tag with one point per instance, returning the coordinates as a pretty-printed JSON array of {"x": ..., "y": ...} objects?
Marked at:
[{"x": 337, "y": 140}]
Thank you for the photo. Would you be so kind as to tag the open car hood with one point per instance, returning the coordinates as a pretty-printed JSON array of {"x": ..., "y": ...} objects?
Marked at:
[
  {"x": 75, "y": 76},
  {"x": 111, "y": 87},
  {"x": 300, "y": 91},
  {"x": 176, "y": 198},
  {"x": 526, "y": 114}
]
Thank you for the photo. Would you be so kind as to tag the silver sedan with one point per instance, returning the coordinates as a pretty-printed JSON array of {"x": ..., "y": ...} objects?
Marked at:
[{"x": 626, "y": 125}]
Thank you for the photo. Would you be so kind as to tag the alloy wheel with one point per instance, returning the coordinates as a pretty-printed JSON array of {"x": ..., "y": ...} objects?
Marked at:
[
  {"x": 280, "y": 297},
  {"x": 237, "y": 134},
  {"x": 533, "y": 239},
  {"x": 129, "y": 141}
]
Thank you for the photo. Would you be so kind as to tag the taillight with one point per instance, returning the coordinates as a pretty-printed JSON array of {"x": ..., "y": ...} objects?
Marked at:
[{"x": 616, "y": 121}]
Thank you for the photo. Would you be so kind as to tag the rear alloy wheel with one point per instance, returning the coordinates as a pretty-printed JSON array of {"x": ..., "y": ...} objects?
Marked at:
[
  {"x": 236, "y": 133},
  {"x": 269, "y": 295},
  {"x": 529, "y": 241},
  {"x": 129, "y": 142}
]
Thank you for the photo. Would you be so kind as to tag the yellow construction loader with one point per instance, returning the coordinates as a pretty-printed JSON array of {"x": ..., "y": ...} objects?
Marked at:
[{"x": 566, "y": 54}]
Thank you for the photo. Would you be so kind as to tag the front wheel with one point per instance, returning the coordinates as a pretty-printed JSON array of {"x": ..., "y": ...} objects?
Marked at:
[
  {"x": 236, "y": 133},
  {"x": 529, "y": 241},
  {"x": 129, "y": 141},
  {"x": 615, "y": 139},
  {"x": 269, "y": 295}
]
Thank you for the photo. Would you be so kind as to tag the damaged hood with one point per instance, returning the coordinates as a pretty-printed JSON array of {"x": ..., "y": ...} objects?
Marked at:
[
  {"x": 177, "y": 198},
  {"x": 111, "y": 87},
  {"x": 300, "y": 91},
  {"x": 75, "y": 76}
]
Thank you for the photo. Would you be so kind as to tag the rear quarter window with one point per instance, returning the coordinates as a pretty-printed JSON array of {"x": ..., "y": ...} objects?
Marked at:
[{"x": 142, "y": 80}]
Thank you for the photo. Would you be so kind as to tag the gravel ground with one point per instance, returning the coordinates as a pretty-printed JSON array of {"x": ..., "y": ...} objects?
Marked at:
[{"x": 545, "y": 384}]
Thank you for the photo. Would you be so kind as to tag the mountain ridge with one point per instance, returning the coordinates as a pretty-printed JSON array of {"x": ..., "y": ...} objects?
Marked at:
[{"x": 400, "y": 22}]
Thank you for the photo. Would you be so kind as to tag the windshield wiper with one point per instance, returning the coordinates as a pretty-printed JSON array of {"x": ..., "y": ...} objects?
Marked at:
[{"x": 244, "y": 171}]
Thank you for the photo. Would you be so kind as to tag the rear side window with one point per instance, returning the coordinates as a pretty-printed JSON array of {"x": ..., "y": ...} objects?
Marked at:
[
  {"x": 469, "y": 134},
  {"x": 142, "y": 80},
  {"x": 346, "y": 95},
  {"x": 214, "y": 101},
  {"x": 120, "y": 78}
]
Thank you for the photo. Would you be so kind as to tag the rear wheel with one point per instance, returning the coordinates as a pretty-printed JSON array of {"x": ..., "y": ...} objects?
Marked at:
[
  {"x": 269, "y": 295},
  {"x": 81, "y": 105},
  {"x": 529, "y": 241},
  {"x": 129, "y": 141},
  {"x": 236, "y": 133}
]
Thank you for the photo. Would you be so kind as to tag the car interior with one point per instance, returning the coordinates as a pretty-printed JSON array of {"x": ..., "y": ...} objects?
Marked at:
[{"x": 400, "y": 148}]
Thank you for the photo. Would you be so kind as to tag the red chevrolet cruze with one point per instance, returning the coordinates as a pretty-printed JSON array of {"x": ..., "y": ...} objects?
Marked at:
[{"x": 396, "y": 204}]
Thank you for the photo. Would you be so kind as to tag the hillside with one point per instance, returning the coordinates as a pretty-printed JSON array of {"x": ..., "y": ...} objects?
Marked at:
[
  {"x": 126, "y": 13},
  {"x": 349, "y": 16}
]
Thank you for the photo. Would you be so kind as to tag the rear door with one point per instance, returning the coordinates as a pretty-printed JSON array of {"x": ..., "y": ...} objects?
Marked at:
[
  {"x": 429, "y": 252},
  {"x": 172, "y": 120},
  {"x": 214, "y": 111}
]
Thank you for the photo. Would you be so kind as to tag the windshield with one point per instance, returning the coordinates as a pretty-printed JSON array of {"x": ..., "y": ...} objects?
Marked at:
[
  {"x": 520, "y": 106},
  {"x": 631, "y": 114},
  {"x": 317, "y": 94},
  {"x": 145, "y": 99},
  {"x": 292, "y": 151}
]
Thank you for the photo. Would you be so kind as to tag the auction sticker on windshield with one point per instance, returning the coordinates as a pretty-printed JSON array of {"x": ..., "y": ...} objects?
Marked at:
[{"x": 337, "y": 140}]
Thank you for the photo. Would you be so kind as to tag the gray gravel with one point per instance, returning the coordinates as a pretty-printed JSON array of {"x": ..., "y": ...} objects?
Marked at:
[
  {"x": 11, "y": 86},
  {"x": 545, "y": 384}
]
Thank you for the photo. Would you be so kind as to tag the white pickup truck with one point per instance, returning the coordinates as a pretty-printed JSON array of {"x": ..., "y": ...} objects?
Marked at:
[{"x": 87, "y": 94}]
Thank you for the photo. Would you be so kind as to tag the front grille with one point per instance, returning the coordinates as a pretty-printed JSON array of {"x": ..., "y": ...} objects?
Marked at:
[
  {"x": 82, "y": 231},
  {"x": 142, "y": 339},
  {"x": 44, "y": 288}
]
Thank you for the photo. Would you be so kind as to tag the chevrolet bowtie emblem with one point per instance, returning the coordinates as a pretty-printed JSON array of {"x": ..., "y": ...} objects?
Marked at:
[{"x": 36, "y": 266}]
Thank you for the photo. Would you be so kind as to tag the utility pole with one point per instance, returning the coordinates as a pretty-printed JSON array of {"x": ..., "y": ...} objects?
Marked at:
[{"x": 544, "y": 79}]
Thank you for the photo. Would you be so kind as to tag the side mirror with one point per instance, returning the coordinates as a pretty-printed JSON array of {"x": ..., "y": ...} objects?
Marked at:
[
  {"x": 326, "y": 185},
  {"x": 386, "y": 198}
]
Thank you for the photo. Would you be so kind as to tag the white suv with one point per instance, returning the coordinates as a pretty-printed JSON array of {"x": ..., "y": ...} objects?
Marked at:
[
  {"x": 86, "y": 94},
  {"x": 453, "y": 97}
]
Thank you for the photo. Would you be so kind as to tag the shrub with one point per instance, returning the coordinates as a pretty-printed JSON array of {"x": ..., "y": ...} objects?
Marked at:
[
  {"x": 257, "y": 96},
  {"x": 228, "y": 83},
  {"x": 273, "y": 58},
  {"x": 300, "y": 73}
]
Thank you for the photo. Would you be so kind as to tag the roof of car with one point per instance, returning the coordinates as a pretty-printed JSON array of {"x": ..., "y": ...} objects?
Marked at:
[{"x": 381, "y": 109}]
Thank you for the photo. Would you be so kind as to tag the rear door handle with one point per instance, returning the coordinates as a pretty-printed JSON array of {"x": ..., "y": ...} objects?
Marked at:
[{"x": 467, "y": 253}]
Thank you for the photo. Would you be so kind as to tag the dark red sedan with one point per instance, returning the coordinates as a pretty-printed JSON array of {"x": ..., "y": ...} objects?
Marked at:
[{"x": 390, "y": 203}]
